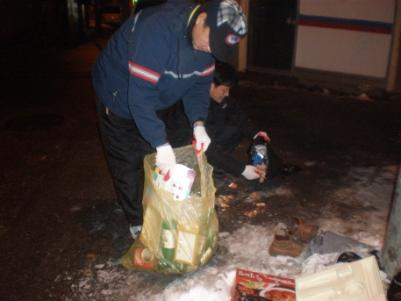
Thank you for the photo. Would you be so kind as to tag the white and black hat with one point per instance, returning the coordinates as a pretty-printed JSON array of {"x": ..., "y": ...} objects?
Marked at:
[{"x": 227, "y": 24}]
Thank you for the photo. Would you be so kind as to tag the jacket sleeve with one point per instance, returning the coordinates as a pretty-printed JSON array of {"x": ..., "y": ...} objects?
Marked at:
[
  {"x": 237, "y": 116},
  {"x": 196, "y": 101},
  {"x": 148, "y": 54}
]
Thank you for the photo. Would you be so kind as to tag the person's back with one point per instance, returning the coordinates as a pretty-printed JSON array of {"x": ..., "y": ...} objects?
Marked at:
[{"x": 153, "y": 46}]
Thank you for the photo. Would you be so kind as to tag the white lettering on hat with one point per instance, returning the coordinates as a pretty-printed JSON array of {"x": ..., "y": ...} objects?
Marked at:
[
  {"x": 232, "y": 39},
  {"x": 231, "y": 13}
]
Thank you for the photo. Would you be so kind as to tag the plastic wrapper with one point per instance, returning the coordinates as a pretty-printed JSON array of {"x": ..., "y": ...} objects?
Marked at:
[
  {"x": 251, "y": 286},
  {"x": 178, "y": 235}
]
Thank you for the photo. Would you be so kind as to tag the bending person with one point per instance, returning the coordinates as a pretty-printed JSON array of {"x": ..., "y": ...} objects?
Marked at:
[{"x": 227, "y": 124}]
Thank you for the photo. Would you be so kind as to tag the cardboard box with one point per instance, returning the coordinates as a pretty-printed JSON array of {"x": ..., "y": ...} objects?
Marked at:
[
  {"x": 252, "y": 286},
  {"x": 356, "y": 281}
]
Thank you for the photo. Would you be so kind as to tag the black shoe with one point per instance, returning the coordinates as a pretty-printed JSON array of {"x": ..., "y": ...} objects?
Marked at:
[
  {"x": 348, "y": 257},
  {"x": 219, "y": 173},
  {"x": 394, "y": 291}
]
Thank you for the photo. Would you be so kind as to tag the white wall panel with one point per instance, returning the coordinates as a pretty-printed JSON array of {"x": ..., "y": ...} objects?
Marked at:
[
  {"x": 373, "y": 10},
  {"x": 352, "y": 52},
  {"x": 347, "y": 36}
]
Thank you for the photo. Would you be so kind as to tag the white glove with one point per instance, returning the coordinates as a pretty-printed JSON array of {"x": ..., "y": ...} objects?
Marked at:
[
  {"x": 251, "y": 172},
  {"x": 202, "y": 139},
  {"x": 165, "y": 158}
]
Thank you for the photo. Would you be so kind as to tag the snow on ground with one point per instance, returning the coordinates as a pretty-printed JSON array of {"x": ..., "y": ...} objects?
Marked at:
[
  {"x": 366, "y": 205},
  {"x": 365, "y": 201}
]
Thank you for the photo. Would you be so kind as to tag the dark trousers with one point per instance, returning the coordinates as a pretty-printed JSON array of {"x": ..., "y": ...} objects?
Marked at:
[
  {"x": 224, "y": 140},
  {"x": 227, "y": 137},
  {"x": 125, "y": 149}
]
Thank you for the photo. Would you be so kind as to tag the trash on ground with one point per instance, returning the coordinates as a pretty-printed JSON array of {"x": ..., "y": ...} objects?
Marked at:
[
  {"x": 330, "y": 242},
  {"x": 233, "y": 185},
  {"x": 291, "y": 241},
  {"x": 357, "y": 281},
  {"x": 257, "y": 286},
  {"x": 251, "y": 213},
  {"x": 255, "y": 196},
  {"x": 180, "y": 230},
  {"x": 284, "y": 243},
  {"x": 260, "y": 208},
  {"x": 224, "y": 201},
  {"x": 303, "y": 231},
  {"x": 318, "y": 262}
]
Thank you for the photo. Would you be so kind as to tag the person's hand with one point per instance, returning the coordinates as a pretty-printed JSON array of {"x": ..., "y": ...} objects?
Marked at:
[
  {"x": 254, "y": 172},
  {"x": 165, "y": 158},
  {"x": 263, "y": 135},
  {"x": 202, "y": 139},
  {"x": 261, "y": 169}
]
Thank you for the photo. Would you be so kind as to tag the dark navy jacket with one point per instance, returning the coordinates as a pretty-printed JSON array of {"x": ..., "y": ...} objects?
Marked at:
[{"x": 149, "y": 64}]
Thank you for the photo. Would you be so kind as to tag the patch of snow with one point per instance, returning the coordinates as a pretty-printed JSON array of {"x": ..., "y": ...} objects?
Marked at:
[
  {"x": 366, "y": 204},
  {"x": 318, "y": 262},
  {"x": 283, "y": 191}
]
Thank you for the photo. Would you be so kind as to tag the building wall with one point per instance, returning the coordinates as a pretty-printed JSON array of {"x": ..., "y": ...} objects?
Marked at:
[
  {"x": 16, "y": 19},
  {"x": 345, "y": 36}
]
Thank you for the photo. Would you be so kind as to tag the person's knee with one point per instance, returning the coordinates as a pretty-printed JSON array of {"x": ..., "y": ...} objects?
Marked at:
[{"x": 232, "y": 136}]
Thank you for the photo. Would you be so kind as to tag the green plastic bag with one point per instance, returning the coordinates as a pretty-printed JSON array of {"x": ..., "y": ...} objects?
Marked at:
[{"x": 177, "y": 236}]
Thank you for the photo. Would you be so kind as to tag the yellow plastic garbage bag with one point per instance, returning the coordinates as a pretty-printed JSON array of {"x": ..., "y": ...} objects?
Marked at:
[{"x": 177, "y": 236}]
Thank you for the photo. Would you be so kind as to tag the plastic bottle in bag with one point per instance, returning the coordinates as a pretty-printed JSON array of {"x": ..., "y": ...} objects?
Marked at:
[
  {"x": 259, "y": 155},
  {"x": 168, "y": 239}
]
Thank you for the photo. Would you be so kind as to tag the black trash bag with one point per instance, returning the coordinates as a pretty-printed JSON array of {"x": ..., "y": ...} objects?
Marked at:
[{"x": 394, "y": 291}]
